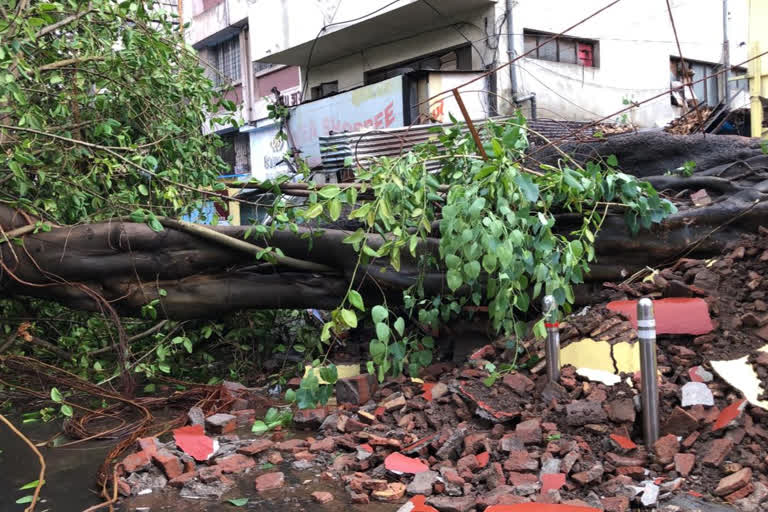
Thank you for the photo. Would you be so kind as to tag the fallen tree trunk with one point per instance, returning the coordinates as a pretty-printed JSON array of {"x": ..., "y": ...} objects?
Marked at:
[{"x": 128, "y": 264}]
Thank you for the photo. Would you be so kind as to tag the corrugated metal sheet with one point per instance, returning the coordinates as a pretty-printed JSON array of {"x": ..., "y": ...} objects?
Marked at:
[{"x": 361, "y": 147}]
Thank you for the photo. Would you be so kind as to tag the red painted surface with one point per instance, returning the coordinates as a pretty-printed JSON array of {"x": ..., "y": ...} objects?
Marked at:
[
  {"x": 673, "y": 316},
  {"x": 420, "y": 442},
  {"x": 420, "y": 504},
  {"x": 427, "y": 388},
  {"x": 404, "y": 464},
  {"x": 624, "y": 442},
  {"x": 483, "y": 459},
  {"x": 368, "y": 448},
  {"x": 586, "y": 55},
  {"x": 540, "y": 507},
  {"x": 552, "y": 482},
  {"x": 729, "y": 414},
  {"x": 694, "y": 375},
  {"x": 193, "y": 441}
]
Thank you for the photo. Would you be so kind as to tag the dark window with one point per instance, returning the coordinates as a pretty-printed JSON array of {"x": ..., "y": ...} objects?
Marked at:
[
  {"x": 457, "y": 59},
  {"x": 563, "y": 49},
  {"x": 226, "y": 59},
  {"x": 325, "y": 89},
  {"x": 258, "y": 67}
]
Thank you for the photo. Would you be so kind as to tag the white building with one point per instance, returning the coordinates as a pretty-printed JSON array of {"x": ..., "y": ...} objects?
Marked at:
[{"x": 392, "y": 55}]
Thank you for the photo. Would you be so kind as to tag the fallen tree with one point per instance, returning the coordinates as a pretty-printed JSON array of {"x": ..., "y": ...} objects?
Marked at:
[{"x": 129, "y": 263}]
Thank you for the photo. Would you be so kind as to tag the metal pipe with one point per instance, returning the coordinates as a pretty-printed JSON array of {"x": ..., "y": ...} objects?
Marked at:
[
  {"x": 528, "y": 97},
  {"x": 511, "y": 49},
  {"x": 552, "y": 347},
  {"x": 726, "y": 53},
  {"x": 646, "y": 332}
]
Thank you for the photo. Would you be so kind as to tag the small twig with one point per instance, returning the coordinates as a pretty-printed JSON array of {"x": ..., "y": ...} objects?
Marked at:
[
  {"x": 66, "y": 62},
  {"x": 41, "y": 477},
  {"x": 50, "y": 347},
  {"x": 152, "y": 330},
  {"x": 17, "y": 232}
]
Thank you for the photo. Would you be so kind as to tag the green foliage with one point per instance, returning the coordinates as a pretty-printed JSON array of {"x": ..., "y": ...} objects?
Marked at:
[
  {"x": 92, "y": 128},
  {"x": 499, "y": 243},
  {"x": 273, "y": 418},
  {"x": 686, "y": 170},
  {"x": 311, "y": 392},
  {"x": 238, "y": 502}
]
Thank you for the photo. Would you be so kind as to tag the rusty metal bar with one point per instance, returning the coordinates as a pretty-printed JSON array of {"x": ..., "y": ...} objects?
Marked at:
[{"x": 470, "y": 124}]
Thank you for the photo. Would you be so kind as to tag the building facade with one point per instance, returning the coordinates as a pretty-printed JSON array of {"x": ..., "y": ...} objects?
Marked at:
[{"x": 377, "y": 64}]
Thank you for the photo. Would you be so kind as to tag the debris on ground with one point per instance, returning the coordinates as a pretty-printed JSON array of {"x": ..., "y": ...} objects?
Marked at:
[{"x": 454, "y": 443}]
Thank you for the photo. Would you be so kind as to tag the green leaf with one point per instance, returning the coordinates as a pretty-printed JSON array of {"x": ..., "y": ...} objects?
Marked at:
[
  {"x": 259, "y": 427},
  {"x": 313, "y": 211},
  {"x": 356, "y": 300},
  {"x": 400, "y": 325},
  {"x": 454, "y": 279},
  {"x": 452, "y": 261},
  {"x": 138, "y": 216},
  {"x": 67, "y": 411},
  {"x": 379, "y": 313},
  {"x": 238, "y": 502},
  {"x": 612, "y": 161},
  {"x": 188, "y": 345},
  {"x": 472, "y": 270},
  {"x": 529, "y": 189},
  {"x": 154, "y": 224},
  {"x": 329, "y": 191},
  {"x": 150, "y": 388},
  {"x": 290, "y": 395},
  {"x": 25, "y": 499},
  {"x": 56, "y": 395},
  {"x": 489, "y": 263},
  {"x": 382, "y": 332},
  {"x": 30, "y": 485},
  {"x": 334, "y": 209},
  {"x": 349, "y": 317},
  {"x": 143, "y": 189},
  {"x": 377, "y": 349}
]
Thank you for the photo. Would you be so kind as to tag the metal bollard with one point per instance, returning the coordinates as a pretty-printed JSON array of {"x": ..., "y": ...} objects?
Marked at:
[
  {"x": 552, "y": 347},
  {"x": 646, "y": 331}
]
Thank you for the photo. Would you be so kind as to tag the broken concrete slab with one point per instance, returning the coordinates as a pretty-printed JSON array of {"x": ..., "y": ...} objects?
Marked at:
[
  {"x": 740, "y": 374},
  {"x": 696, "y": 393}
]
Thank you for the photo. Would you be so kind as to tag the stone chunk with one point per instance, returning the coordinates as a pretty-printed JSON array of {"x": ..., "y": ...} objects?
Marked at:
[
  {"x": 235, "y": 463},
  {"x": 393, "y": 492},
  {"x": 615, "y": 504},
  {"x": 666, "y": 447},
  {"x": 680, "y": 423},
  {"x": 622, "y": 410},
  {"x": 734, "y": 482},
  {"x": 322, "y": 497},
  {"x": 684, "y": 463},
  {"x": 449, "y": 504},
  {"x": 581, "y": 412},
  {"x": 136, "y": 462},
  {"x": 256, "y": 447},
  {"x": 520, "y": 461},
  {"x": 325, "y": 445},
  {"x": 529, "y": 432},
  {"x": 422, "y": 483},
  {"x": 269, "y": 481},
  {"x": 697, "y": 393},
  {"x": 519, "y": 383},
  {"x": 170, "y": 464},
  {"x": 717, "y": 452},
  {"x": 221, "y": 423}
]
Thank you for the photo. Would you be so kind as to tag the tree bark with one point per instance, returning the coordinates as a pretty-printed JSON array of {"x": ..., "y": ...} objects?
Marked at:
[{"x": 128, "y": 264}]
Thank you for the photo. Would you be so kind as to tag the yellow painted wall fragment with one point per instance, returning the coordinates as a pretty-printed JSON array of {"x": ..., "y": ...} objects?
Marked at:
[
  {"x": 627, "y": 356},
  {"x": 344, "y": 370},
  {"x": 588, "y": 353}
]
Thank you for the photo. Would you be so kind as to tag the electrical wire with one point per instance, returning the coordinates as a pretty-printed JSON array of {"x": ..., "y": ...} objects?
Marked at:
[
  {"x": 326, "y": 27},
  {"x": 457, "y": 29}
]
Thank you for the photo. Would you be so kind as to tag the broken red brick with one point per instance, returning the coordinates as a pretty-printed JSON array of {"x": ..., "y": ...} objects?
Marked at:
[
  {"x": 624, "y": 442},
  {"x": 741, "y": 493},
  {"x": 666, "y": 447},
  {"x": 170, "y": 464},
  {"x": 684, "y": 463},
  {"x": 729, "y": 414},
  {"x": 733, "y": 482},
  {"x": 615, "y": 504},
  {"x": 269, "y": 481},
  {"x": 182, "y": 479},
  {"x": 256, "y": 447},
  {"x": 235, "y": 463},
  {"x": 717, "y": 451},
  {"x": 136, "y": 462}
]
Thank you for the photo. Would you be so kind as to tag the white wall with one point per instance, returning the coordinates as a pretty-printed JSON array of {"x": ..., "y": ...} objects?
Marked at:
[{"x": 635, "y": 43}]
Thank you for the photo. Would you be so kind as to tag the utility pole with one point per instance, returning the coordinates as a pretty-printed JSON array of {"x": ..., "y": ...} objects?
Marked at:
[{"x": 726, "y": 54}]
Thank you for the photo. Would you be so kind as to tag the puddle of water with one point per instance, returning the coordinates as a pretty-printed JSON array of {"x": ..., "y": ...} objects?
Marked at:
[{"x": 71, "y": 474}]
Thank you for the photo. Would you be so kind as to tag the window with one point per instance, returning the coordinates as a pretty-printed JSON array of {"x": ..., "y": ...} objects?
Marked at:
[
  {"x": 563, "y": 49},
  {"x": 258, "y": 67},
  {"x": 325, "y": 89},
  {"x": 226, "y": 59},
  {"x": 457, "y": 59},
  {"x": 707, "y": 91}
]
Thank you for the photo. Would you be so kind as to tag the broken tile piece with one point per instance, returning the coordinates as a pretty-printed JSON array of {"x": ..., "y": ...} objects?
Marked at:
[
  {"x": 673, "y": 315},
  {"x": 729, "y": 414},
  {"x": 697, "y": 393},
  {"x": 399, "y": 463}
]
